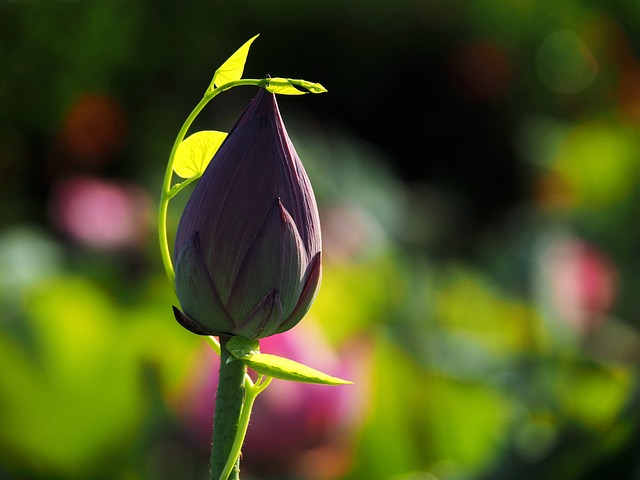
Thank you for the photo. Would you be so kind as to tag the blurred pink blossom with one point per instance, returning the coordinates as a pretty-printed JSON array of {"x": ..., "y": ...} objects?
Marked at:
[
  {"x": 296, "y": 429},
  {"x": 583, "y": 282},
  {"x": 348, "y": 232},
  {"x": 100, "y": 213}
]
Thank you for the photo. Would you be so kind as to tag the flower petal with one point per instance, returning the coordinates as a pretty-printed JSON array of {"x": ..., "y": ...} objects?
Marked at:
[
  {"x": 190, "y": 324},
  {"x": 263, "y": 320},
  {"x": 230, "y": 201},
  {"x": 297, "y": 194},
  {"x": 197, "y": 293},
  {"x": 276, "y": 260},
  {"x": 314, "y": 277}
]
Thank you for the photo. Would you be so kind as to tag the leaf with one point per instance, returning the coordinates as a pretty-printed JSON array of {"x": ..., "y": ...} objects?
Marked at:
[
  {"x": 248, "y": 352},
  {"x": 196, "y": 151},
  {"x": 287, "y": 86},
  {"x": 310, "y": 86},
  {"x": 241, "y": 347},
  {"x": 285, "y": 369},
  {"x": 232, "y": 69},
  {"x": 283, "y": 87}
]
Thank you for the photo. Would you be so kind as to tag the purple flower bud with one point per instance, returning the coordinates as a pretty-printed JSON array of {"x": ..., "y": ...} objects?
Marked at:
[{"x": 247, "y": 249}]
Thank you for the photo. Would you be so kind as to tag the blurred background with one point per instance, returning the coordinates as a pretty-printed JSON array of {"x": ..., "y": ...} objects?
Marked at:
[{"x": 477, "y": 165}]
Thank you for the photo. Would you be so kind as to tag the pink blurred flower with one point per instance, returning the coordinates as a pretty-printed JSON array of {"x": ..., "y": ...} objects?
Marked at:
[
  {"x": 296, "y": 429},
  {"x": 349, "y": 233},
  {"x": 99, "y": 213},
  {"x": 583, "y": 282}
]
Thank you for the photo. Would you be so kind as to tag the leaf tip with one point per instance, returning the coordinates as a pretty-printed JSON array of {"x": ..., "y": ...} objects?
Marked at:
[
  {"x": 233, "y": 68},
  {"x": 340, "y": 381}
]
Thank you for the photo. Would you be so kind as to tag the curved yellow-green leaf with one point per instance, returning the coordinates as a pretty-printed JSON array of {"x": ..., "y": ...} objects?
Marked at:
[
  {"x": 285, "y": 369},
  {"x": 283, "y": 87},
  {"x": 233, "y": 68},
  {"x": 195, "y": 152}
]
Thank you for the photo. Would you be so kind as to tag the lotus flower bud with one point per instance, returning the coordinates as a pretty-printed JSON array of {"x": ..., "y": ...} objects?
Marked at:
[{"x": 248, "y": 247}]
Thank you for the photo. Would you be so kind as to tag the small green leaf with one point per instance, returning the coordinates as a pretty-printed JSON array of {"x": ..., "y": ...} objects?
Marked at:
[
  {"x": 195, "y": 152},
  {"x": 241, "y": 347},
  {"x": 285, "y": 369},
  {"x": 283, "y": 87},
  {"x": 233, "y": 68},
  {"x": 287, "y": 86},
  {"x": 310, "y": 86}
]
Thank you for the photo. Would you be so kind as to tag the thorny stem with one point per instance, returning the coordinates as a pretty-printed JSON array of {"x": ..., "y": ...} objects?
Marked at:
[
  {"x": 252, "y": 391},
  {"x": 213, "y": 343},
  {"x": 230, "y": 398},
  {"x": 233, "y": 410}
]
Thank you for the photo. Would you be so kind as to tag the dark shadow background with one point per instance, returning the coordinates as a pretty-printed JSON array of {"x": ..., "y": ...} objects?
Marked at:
[{"x": 477, "y": 164}]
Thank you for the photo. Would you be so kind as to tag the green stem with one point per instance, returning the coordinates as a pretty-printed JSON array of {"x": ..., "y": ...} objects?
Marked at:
[
  {"x": 230, "y": 418},
  {"x": 166, "y": 189},
  {"x": 252, "y": 391},
  {"x": 228, "y": 413},
  {"x": 213, "y": 343},
  {"x": 166, "y": 193}
]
